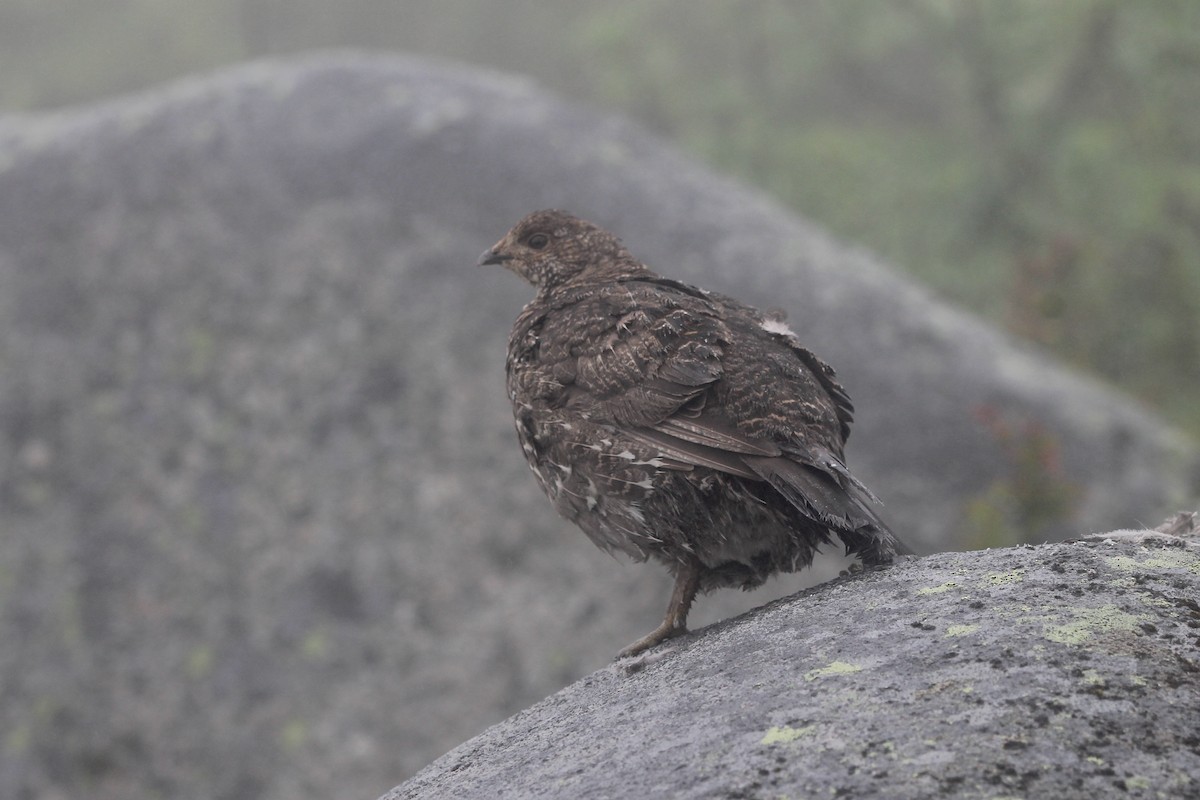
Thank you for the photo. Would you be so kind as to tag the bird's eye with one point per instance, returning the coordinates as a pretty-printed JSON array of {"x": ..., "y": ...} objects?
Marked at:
[{"x": 538, "y": 241}]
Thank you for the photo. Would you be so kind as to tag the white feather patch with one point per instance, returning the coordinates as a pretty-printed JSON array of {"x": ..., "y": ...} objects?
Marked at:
[{"x": 773, "y": 325}]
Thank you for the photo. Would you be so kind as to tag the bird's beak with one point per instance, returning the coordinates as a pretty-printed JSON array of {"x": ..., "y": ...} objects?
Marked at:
[{"x": 490, "y": 256}]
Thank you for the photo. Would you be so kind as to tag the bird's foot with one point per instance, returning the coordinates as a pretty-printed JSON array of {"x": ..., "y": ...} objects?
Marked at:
[
  {"x": 687, "y": 583},
  {"x": 667, "y": 630}
]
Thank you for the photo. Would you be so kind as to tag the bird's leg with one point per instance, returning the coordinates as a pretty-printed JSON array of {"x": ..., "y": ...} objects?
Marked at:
[{"x": 687, "y": 582}]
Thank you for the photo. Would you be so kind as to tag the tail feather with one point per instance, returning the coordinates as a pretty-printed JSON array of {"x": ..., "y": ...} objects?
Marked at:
[{"x": 836, "y": 499}]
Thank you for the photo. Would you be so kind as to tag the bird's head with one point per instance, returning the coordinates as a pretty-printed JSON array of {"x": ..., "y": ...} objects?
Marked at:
[{"x": 551, "y": 248}]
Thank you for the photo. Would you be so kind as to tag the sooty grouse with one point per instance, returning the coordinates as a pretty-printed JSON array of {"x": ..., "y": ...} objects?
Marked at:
[{"x": 671, "y": 422}]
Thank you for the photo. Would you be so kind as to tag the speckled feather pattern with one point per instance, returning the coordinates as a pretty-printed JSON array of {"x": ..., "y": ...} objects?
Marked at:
[{"x": 672, "y": 423}]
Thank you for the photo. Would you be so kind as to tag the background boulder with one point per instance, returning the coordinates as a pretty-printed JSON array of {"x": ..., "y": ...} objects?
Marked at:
[{"x": 267, "y": 532}]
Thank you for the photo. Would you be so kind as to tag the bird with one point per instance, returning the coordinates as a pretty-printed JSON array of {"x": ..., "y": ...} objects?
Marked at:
[{"x": 676, "y": 424}]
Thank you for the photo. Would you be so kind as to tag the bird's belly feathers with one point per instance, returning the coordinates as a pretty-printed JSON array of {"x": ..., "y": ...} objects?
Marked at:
[{"x": 626, "y": 497}]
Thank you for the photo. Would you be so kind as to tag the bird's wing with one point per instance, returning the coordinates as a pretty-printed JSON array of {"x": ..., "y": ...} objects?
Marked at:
[
  {"x": 697, "y": 379},
  {"x": 649, "y": 355},
  {"x": 828, "y": 381},
  {"x": 702, "y": 444},
  {"x": 638, "y": 356}
]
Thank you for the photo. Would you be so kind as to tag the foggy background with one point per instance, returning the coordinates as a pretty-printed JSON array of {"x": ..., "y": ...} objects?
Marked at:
[
  {"x": 264, "y": 528},
  {"x": 1038, "y": 163}
]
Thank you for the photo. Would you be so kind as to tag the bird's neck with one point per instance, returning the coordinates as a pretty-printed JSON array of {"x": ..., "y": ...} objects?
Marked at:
[{"x": 600, "y": 273}]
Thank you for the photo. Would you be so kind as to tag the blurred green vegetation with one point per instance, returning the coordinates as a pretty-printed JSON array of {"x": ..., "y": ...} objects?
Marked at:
[
  {"x": 1037, "y": 162},
  {"x": 1032, "y": 499}
]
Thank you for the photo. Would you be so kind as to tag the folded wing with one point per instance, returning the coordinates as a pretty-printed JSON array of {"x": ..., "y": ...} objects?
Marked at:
[{"x": 663, "y": 377}]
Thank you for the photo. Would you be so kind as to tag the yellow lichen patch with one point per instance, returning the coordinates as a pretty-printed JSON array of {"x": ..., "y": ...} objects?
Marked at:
[
  {"x": 1181, "y": 558},
  {"x": 1093, "y": 678},
  {"x": 1124, "y": 563},
  {"x": 17, "y": 741},
  {"x": 200, "y": 662},
  {"x": 836, "y": 668},
  {"x": 782, "y": 734},
  {"x": 1089, "y": 622},
  {"x": 1003, "y": 578},
  {"x": 945, "y": 587},
  {"x": 315, "y": 645},
  {"x": 293, "y": 734},
  {"x": 960, "y": 630}
]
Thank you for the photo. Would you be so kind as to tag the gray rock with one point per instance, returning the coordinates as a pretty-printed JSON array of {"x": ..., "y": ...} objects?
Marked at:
[
  {"x": 267, "y": 532},
  {"x": 1064, "y": 671}
]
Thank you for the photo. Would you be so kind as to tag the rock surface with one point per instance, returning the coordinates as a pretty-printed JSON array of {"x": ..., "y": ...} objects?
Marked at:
[
  {"x": 1065, "y": 671},
  {"x": 266, "y": 530}
]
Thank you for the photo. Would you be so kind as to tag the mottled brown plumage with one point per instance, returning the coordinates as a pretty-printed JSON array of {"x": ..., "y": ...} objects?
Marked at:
[{"x": 673, "y": 423}]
